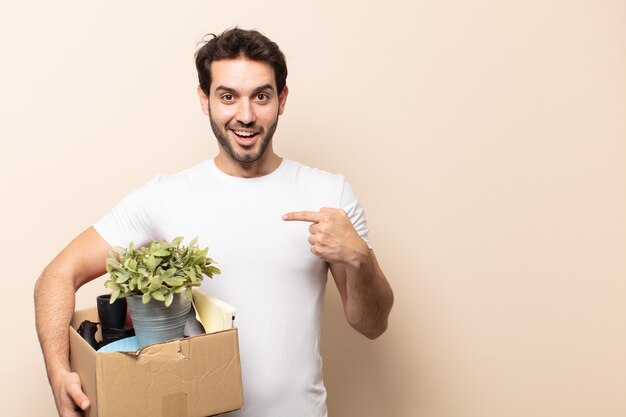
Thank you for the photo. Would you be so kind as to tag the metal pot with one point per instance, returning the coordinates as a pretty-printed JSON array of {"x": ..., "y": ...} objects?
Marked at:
[{"x": 154, "y": 322}]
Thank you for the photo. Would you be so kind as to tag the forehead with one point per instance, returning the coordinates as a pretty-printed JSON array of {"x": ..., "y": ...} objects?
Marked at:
[{"x": 241, "y": 74}]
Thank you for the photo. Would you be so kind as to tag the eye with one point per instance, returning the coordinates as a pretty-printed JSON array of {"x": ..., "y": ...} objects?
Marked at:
[
  {"x": 228, "y": 97},
  {"x": 262, "y": 97}
]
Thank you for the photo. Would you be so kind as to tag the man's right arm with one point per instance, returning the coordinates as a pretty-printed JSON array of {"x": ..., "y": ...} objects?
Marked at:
[{"x": 80, "y": 262}]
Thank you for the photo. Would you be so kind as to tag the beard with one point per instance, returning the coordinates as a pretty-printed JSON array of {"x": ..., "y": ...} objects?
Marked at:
[{"x": 246, "y": 156}]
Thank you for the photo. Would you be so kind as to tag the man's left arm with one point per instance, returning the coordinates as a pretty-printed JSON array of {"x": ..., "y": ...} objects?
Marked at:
[{"x": 365, "y": 292}]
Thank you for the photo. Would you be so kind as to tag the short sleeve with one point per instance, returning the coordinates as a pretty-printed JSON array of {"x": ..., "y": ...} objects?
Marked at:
[
  {"x": 132, "y": 219},
  {"x": 350, "y": 204}
]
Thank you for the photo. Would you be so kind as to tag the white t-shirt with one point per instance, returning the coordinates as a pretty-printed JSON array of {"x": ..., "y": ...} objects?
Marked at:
[{"x": 268, "y": 271}]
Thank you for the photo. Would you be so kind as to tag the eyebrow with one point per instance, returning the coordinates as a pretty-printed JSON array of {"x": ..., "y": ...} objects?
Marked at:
[{"x": 256, "y": 90}]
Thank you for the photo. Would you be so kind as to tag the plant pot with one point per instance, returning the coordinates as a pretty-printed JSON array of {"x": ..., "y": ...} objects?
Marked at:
[
  {"x": 154, "y": 323},
  {"x": 111, "y": 315}
]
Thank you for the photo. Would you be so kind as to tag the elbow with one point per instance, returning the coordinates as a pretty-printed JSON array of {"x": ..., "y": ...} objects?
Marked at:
[
  {"x": 37, "y": 287},
  {"x": 41, "y": 282},
  {"x": 38, "y": 290},
  {"x": 56, "y": 281},
  {"x": 374, "y": 334},
  {"x": 370, "y": 330},
  {"x": 373, "y": 323},
  {"x": 380, "y": 327}
]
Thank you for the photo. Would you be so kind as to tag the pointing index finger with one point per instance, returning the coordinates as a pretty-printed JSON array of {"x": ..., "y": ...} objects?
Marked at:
[{"x": 302, "y": 216}]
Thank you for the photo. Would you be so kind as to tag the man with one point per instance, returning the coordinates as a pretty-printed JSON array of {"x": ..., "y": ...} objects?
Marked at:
[{"x": 274, "y": 225}]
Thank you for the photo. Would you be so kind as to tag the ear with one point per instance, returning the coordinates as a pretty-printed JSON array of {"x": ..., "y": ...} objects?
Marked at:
[
  {"x": 204, "y": 101},
  {"x": 282, "y": 100}
]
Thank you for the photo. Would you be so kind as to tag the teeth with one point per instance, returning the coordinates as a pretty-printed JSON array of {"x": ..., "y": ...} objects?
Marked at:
[{"x": 245, "y": 134}]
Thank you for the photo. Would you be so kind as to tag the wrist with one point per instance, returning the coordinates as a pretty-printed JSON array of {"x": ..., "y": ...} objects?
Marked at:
[
  {"x": 57, "y": 374},
  {"x": 360, "y": 256}
]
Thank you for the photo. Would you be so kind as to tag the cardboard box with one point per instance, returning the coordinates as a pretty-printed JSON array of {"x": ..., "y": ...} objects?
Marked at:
[{"x": 193, "y": 377}]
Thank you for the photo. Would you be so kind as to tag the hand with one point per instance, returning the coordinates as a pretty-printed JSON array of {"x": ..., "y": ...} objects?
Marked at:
[
  {"x": 68, "y": 393},
  {"x": 332, "y": 235}
]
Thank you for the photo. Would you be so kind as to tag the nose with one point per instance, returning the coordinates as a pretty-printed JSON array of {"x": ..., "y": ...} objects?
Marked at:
[{"x": 245, "y": 113}]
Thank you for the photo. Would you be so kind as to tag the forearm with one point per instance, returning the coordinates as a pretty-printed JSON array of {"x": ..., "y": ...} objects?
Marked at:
[
  {"x": 365, "y": 292},
  {"x": 54, "y": 306},
  {"x": 368, "y": 296},
  {"x": 81, "y": 261}
]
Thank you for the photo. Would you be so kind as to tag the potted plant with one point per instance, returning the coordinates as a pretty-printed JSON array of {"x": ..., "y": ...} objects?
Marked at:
[{"x": 157, "y": 281}]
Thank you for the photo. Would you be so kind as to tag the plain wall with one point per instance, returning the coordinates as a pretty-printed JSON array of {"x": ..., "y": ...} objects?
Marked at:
[{"x": 485, "y": 139}]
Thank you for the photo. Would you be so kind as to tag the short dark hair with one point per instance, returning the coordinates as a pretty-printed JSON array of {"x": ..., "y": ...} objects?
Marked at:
[{"x": 240, "y": 43}]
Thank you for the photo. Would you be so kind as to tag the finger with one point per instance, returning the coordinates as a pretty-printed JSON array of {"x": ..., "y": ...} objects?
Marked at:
[
  {"x": 70, "y": 409},
  {"x": 303, "y": 216},
  {"x": 314, "y": 228},
  {"x": 77, "y": 395},
  {"x": 76, "y": 413}
]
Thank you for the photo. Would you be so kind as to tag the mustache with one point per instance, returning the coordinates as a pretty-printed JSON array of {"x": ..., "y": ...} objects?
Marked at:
[{"x": 251, "y": 125}]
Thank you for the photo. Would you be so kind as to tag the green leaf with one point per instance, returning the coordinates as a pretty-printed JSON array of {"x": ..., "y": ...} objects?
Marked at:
[
  {"x": 122, "y": 277},
  {"x": 194, "y": 242},
  {"x": 161, "y": 252},
  {"x": 168, "y": 299},
  {"x": 111, "y": 284},
  {"x": 146, "y": 298},
  {"x": 112, "y": 264},
  {"x": 155, "y": 283},
  {"x": 189, "y": 293},
  {"x": 120, "y": 250},
  {"x": 174, "y": 282},
  {"x": 177, "y": 241},
  {"x": 158, "y": 296},
  {"x": 114, "y": 296},
  {"x": 180, "y": 289},
  {"x": 151, "y": 263}
]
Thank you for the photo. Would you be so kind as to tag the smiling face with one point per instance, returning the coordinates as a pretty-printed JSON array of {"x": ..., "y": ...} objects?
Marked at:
[{"x": 243, "y": 106}]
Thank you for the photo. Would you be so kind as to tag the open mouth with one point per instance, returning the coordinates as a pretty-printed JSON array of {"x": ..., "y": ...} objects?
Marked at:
[
  {"x": 244, "y": 134},
  {"x": 245, "y": 137}
]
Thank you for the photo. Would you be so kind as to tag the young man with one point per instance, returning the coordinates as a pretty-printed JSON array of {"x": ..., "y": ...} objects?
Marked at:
[{"x": 274, "y": 225}]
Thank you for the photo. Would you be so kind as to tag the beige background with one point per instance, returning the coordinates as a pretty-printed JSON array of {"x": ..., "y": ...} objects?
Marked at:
[{"x": 486, "y": 140}]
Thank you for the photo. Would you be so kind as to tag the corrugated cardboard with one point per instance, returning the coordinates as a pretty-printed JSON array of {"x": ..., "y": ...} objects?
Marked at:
[{"x": 193, "y": 377}]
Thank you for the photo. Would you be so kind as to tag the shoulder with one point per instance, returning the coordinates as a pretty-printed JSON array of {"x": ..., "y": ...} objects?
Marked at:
[{"x": 188, "y": 176}]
